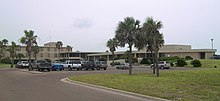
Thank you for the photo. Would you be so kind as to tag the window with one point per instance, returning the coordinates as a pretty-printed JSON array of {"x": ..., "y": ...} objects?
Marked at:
[
  {"x": 55, "y": 55},
  {"x": 48, "y": 49}
]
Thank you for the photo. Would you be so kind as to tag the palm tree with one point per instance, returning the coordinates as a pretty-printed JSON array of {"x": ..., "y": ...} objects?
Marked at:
[
  {"x": 12, "y": 51},
  {"x": 1, "y": 49},
  {"x": 59, "y": 44},
  {"x": 19, "y": 56},
  {"x": 155, "y": 39},
  {"x": 69, "y": 48},
  {"x": 30, "y": 40},
  {"x": 5, "y": 42},
  {"x": 112, "y": 44},
  {"x": 36, "y": 50},
  {"x": 4, "y": 45},
  {"x": 126, "y": 34}
]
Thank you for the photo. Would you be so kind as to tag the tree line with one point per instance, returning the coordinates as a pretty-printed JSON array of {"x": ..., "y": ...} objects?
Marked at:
[
  {"x": 130, "y": 32},
  {"x": 29, "y": 40}
]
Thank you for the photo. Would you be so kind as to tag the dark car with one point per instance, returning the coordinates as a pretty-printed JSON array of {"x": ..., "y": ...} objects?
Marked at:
[
  {"x": 41, "y": 65},
  {"x": 101, "y": 65},
  {"x": 56, "y": 66},
  {"x": 86, "y": 65}
]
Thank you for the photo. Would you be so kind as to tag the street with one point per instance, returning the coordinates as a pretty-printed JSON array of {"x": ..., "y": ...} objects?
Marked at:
[{"x": 16, "y": 85}]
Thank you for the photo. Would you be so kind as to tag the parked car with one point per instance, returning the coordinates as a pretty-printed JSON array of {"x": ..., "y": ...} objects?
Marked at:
[
  {"x": 101, "y": 65},
  {"x": 57, "y": 66},
  {"x": 74, "y": 64},
  {"x": 41, "y": 65},
  {"x": 123, "y": 66},
  {"x": 22, "y": 64},
  {"x": 162, "y": 65},
  {"x": 86, "y": 65}
]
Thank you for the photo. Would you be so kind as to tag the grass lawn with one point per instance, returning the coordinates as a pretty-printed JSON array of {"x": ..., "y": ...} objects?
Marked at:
[
  {"x": 187, "y": 85},
  {"x": 4, "y": 65}
]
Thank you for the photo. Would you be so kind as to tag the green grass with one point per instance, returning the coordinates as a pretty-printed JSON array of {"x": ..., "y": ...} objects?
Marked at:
[
  {"x": 4, "y": 65},
  {"x": 188, "y": 85}
]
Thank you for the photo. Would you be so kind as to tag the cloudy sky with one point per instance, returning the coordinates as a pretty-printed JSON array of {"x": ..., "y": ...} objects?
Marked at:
[{"x": 86, "y": 25}]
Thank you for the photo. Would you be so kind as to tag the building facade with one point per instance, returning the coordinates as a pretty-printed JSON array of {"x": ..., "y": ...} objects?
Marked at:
[
  {"x": 165, "y": 51},
  {"x": 50, "y": 51},
  {"x": 47, "y": 51}
]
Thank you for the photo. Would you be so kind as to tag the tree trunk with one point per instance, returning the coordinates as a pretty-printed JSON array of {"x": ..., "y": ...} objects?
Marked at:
[
  {"x": 113, "y": 59},
  {"x": 153, "y": 60},
  {"x": 156, "y": 57},
  {"x": 12, "y": 63},
  {"x": 29, "y": 61},
  {"x": 59, "y": 54},
  {"x": 130, "y": 60}
]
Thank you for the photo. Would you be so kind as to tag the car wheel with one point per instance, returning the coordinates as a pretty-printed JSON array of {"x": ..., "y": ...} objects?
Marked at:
[
  {"x": 105, "y": 68},
  {"x": 162, "y": 67},
  {"x": 48, "y": 70}
]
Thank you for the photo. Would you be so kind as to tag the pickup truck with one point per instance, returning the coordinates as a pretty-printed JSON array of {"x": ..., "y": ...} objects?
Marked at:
[
  {"x": 72, "y": 65},
  {"x": 101, "y": 65},
  {"x": 41, "y": 65}
]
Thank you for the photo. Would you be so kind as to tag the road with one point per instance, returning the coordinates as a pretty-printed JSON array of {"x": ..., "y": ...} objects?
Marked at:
[{"x": 16, "y": 85}]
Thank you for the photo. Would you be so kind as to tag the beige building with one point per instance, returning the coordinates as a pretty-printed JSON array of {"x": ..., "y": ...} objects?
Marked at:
[
  {"x": 165, "y": 51},
  {"x": 48, "y": 51}
]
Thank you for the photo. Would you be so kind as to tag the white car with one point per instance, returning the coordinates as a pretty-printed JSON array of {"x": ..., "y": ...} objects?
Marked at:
[
  {"x": 22, "y": 64},
  {"x": 162, "y": 65},
  {"x": 123, "y": 66},
  {"x": 73, "y": 65}
]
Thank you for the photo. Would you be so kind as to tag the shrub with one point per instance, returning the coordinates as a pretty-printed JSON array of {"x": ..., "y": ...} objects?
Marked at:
[
  {"x": 196, "y": 63},
  {"x": 6, "y": 60},
  {"x": 188, "y": 58},
  {"x": 115, "y": 63},
  {"x": 181, "y": 63},
  {"x": 145, "y": 61},
  {"x": 134, "y": 60}
]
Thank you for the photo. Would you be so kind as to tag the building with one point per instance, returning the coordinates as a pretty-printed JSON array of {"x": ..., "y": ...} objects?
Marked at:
[
  {"x": 48, "y": 51},
  {"x": 165, "y": 51}
]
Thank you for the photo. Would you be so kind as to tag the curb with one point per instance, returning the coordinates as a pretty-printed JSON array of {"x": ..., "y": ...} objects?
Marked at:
[
  {"x": 32, "y": 72},
  {"x": 106, "y": 89}
]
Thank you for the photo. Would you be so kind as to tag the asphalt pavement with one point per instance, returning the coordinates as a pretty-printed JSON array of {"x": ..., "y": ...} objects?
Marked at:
[{"x": 22, "y": 85}]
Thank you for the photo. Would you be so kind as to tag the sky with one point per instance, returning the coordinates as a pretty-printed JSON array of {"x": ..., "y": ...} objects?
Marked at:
[{"x": 87, "y": 25}]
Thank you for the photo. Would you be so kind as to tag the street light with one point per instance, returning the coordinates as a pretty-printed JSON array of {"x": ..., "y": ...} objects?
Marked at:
[{"x": 212, "y": 49}]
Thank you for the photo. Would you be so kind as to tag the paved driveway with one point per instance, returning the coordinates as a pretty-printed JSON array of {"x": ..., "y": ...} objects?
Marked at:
[{"x": 16, "y": 85}]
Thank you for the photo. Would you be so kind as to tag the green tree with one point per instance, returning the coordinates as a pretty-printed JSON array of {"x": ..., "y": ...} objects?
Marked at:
[
  {"x": 12, "y": 51},
  {"x": 29, "y": 39},
  {"x": 1, "y": 49},
  {"x": 19, "y": 56},
  {"x": 4, "y": 44},
  {"x": 154, "y": 38},
  {"x": 69, "y": 48},
  {"x": 59, "y": 45},
  {"x": 126, "y": 34},
  {"x": 36, "y": 50},
  {"x": 112, "y": 44}
]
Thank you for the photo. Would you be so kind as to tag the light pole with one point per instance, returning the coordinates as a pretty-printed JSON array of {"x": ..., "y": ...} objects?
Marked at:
[{"x": 212, "y": 49}]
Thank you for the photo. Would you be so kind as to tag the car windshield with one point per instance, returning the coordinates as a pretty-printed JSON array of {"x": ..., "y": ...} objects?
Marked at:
[
  {"x": 161, "y": 62},
  {"x": 103, "y": 62},
  {"x": 76, "y": 62},
  {"x": 25, "y": 62}
]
